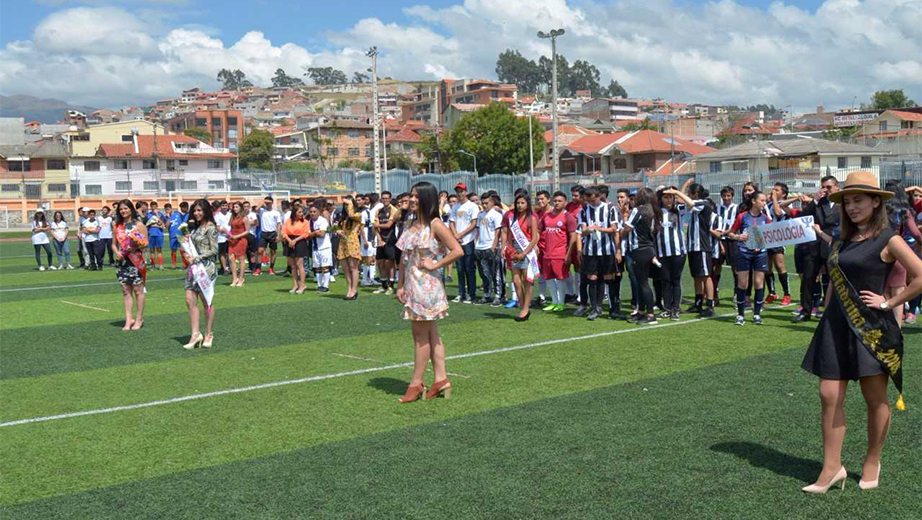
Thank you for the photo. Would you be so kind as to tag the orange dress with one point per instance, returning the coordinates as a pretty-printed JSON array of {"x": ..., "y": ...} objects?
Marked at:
[{"x": 237, "y": 246}]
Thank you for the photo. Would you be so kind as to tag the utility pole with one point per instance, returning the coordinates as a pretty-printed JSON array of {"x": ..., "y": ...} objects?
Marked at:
[
  {"x": 373, "y": 54},
  {"x": 553, "y": 36}
]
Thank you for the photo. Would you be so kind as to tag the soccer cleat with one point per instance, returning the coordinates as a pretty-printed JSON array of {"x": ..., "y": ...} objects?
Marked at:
[
  {"x": 649, "y": 319},
  {"x": 559, "y": 307},
  {"x": 388, "y": 292},
  {"x": 581, "y": 311},
  {"x": 379, "y": 290},
  {"x": 756, "y": 319},
  {"x": 694, "y": 308},
  {"x": 674, "y": 316},
  {"x": 771, "y": 298},
  {"x": 593, "y": 315},
  {"x": 257, "y": 272},
  {"x": 740, "y": 320},
  {"x": 271, "y": 271},
  {"x": 910, "y": 318},
  {"x": 786, "y": 300},
  {"x": 707, "y": 312},
  {"x": 511, "y": 304},
  {"x": 549, "y": 308}
]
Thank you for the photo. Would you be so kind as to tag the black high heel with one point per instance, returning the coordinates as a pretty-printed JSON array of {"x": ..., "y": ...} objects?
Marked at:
[{"x": 523, "y": 318}]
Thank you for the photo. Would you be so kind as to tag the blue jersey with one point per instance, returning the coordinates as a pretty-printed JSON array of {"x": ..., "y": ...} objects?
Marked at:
[
  {"x": 744, "y": 221},
  {"x": 176, "y": 218},
  {"x": 150, "y": 219}
]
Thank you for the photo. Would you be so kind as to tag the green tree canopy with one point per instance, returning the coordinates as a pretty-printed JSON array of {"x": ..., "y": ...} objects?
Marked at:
[
  {"x": 531, "y": 76},
  {"x": 496, "y": 137},
  {"x": 887, "y": 99},
  {"x": 360, "y": 77},
  {"x": 326, "y": 76},
  {"x": 198, "y": 133},
  {"x": 281, "y": 79},
  {"x": 615, "y": 90},
  {"x": 256, "y": 149},
  {"x": 233, "y": 79}
]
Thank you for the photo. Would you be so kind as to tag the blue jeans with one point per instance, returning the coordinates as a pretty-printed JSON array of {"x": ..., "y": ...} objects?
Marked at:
[
  {"x": 486, "y": 264},
  {"x": 38, "y": 253},
  {"x": 467, "y": 274},
  {"x": 62, "y": 249}
]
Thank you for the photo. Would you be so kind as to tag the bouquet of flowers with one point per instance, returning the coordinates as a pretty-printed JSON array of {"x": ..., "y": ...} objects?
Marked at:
[{"x": 133, "y": 241}]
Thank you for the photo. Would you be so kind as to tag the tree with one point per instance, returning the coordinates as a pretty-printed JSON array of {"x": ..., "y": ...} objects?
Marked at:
[
  {"x": 582, "y": 76},
  {"x": 634, "y": 127},
  {"x": 615, "y": 90},
  {"x": 496, "y": 137},
  {"x": 887, "y": 99},
  {"x": 431, "y": 149},
  {"x": 198, "y": 133},
  {"x": 233, "y": 79},
  {"x": 326, "y": 76},
  {"x": 257, "y": 149},
  {"x": 359, "y": 77},
  {"x": 399, "y": 161},
  {"x": 511, "y": 67},
  {"x": 284, "y": 80}
]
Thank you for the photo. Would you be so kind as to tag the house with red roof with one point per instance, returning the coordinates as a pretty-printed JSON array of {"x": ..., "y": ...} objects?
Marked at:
[
  {"x": 899, "y": 131},
  {"x": 627, "y": 152}
]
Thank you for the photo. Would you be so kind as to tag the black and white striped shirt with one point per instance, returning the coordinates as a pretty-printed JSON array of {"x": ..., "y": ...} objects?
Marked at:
[
  {"x": 598, "y": 243},
  {"x": 727, "y": 216},
  {"x": 770, "y": 209},
  {"x": 699, "y": 237},
  {"x": 716, "y": 225},
  {"x": 670, "y": 241},
  {"x": 641, "y": 231}
]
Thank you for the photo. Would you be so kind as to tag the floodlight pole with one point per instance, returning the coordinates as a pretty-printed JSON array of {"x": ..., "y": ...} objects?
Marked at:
[
  {"x": 553, "y": 37},
  {"x": 373, "y": 54}
]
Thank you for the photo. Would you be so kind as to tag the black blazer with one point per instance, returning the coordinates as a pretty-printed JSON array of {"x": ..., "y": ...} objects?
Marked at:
[{"x": 828, "y": 217}]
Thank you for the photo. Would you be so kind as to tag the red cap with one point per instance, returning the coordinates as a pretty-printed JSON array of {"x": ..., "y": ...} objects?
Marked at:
[{"x": 461, "y": 185}]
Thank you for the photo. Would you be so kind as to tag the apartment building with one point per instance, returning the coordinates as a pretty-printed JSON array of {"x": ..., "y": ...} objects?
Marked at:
[
  {"x": 36, "y": 170},
  {"x": 611, "y": 109},
  {"x": 224, "y": 126}
]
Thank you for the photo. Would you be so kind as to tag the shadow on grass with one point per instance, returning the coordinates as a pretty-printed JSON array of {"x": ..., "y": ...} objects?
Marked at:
[
  {"x": 498, "y": 316},
  {"x": 389, "y": 385},
  {"x": 773, "y": 460}
]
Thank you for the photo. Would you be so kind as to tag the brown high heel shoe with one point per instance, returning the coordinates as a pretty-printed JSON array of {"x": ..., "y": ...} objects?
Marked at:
[
  {"x": 439, "y": 387},
  {"x": 414, "y": 393}
]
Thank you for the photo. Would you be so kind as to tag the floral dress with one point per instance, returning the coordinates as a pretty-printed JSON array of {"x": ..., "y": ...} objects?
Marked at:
[
  {"x": 205, "y": 239},
  {"x": 350, "y": 244},
  {"x": 423, "y": 291},
  {"x": 131, "y": 269}
]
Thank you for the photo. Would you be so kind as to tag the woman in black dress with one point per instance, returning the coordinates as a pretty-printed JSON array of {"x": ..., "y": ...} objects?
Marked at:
[{"x": 858, "y": 337}]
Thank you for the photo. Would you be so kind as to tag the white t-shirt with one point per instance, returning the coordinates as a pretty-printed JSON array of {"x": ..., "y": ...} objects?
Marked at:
[
  {"x": 323, "y": 241},
  {"x": 285, "y": 218},
  {"x": 487, "y": 224},
  {"x": 59, "y": 230},
  {"x": 463, "y": 216},
  {"x": 105, "y": 227},
  {"x": 90, "y": 236},
  {"x": 40, "y": 237},
  {"x": 270, "y": 220},
  {"x": 222, "y": 221},
  {"x": 251, "y": 222}
]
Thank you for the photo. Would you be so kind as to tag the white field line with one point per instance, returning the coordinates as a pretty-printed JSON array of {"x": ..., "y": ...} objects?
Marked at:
[
  {"x": 47, "y": 287},
  {"x": 428, "y": 368},
  {"x": 348, "y": 373},
  {"x": 85, "y": 306}
]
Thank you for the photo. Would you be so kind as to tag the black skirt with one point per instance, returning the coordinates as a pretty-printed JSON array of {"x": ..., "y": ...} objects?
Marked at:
[{"x": 300, "y": 250}]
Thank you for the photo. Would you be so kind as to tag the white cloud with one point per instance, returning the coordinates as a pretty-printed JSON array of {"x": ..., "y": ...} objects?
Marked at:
[{"x": 713, "y": 52}]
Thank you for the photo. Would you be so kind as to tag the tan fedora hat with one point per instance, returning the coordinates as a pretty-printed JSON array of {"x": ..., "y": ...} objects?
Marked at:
[{"x": 861, "y": 181}]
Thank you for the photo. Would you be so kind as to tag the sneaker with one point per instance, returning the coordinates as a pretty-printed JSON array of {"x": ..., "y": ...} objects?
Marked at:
[
  {"x": 41, "y": 268},
  {"x": 707, "y": 312},
  {"x": 549, "y": 308},
  {"x": 593, "y": 315},
  {"x": 816, "y": 313},
  {"x": 559, "y": 307},
  {"x": 388, "y": 292},
  {"x": 756, "y": 320},
  {"x": 786, "y": 300},
  {"x": 448, "y": 279},
  {"x": 800, "y": 309},
  {"x": 740, "y": 320},
  {"x": 52, "y": 268},
  {"x": 910, "y": 318},
  {"x": 272, "y": 271},
  {"x": 771, "y": 298},
  {"x": 636, "y": 317},
  {"x": 650, "y": 319},
  {"x": 511, "y": 304},
  {"x": 497, "y": 303},
  {"x": 456, "y": 299},
  {"x": 615, "y": 314},
  {"x": 257, "y": 272},
  {"x": 332, "y": 279},
  {"x": 467, "y": 300},
  {"x": 323, "y": 289},
  {"x": 581, "y": 311},
  {"x": 665, "y": 314},
  {"x": 674, "y": 316},
  {"x": 70, "y": 266},
  {"x": 570, "y": 298},
  {"x": 379, "y": 290}
]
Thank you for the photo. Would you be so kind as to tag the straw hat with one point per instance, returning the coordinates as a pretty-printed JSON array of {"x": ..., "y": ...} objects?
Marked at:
[{"x": 860, "y": 182}]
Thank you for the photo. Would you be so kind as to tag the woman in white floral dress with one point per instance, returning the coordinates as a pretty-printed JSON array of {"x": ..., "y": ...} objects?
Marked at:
[{"x": 427, "y": 246}]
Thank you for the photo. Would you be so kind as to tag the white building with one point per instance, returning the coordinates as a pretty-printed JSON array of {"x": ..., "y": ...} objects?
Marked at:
[{"x": 153, "y": 164}]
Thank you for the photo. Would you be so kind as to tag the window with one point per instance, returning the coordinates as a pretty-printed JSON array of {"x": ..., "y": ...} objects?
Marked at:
[
  {"x": 55, "y": 164},
  {"x": 189, "y": 185},
  {"x": 20, "y": 166},
  {"x": 620, "y": 163},
  {"x": 740, "y": 166},
  {"x": 57, "y": 188},
  {"x": 231, "y": 121},
  {"x": 10, "y": 187},
  {"x": 80, "y": 137},
  {"x": 215, "y": 164},
  {"x": 334, "y": 151},
  {"x": 91, "y": 166},
  {"x": 147, "y": 164},
  {"x": 843, "y": 162},
  {"x": 215, "y": 185},
  {"x": 215, "y": 122},
  {"x": 883, "y": 126},
  {"x": 151, "y": 186},
  {"x": 865, "y": 162},
  {"x": 120, "y": 164},
  {"x": 353, "y": 152},
  {"x": 184, "y": 162},
  {"x": 716, "y": 167},
  {"x": 171, "y": 164},
  {"x": 231, "y": 134},
  {"x": 201, "y": 121},
  {"x": 122, "y": 185},
  {"x": 127, "y": 138},
  {"x": 75, "y": 189},
  {"x": 93, "y": 189},
  {"x": 353, "y": 134},
  {"x": 369, "y": 151}
]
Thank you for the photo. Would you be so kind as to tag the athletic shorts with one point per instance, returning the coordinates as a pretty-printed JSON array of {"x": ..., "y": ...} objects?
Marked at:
[
  {"x": 775, "y": 251},
  {"x": 387, "y": 252},
  {"x": 732, "y": 251},
  {"x": 368, "y": 249},
  {"x": 600, "y": 266},
  {"x": 270, "y": 240},
  {"x": 751, "y": 261},
  {"x": 174, "y": 243},
  {"x": 155, "y": 241},
  {"x": 699, "y": 263},
  {"x": 222, "y": 248},
  {"x": 554, "y": 269},
  {"x": 251, "y": 243},
  {"x": 322, "y": 258}
]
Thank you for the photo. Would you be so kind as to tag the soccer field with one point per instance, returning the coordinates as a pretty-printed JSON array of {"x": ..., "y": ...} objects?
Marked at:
[{"x": 294, "y": 414}]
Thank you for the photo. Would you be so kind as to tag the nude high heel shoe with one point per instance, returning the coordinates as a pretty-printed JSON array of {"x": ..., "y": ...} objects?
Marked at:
[
  {"x": 194, "y": 342},
  {"x": 820, "y": 490},
  {"x": 869, "y": 484}
]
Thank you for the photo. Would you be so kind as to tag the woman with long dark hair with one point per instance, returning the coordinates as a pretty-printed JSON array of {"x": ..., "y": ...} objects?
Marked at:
[
  {"x": 350, "y": 248},
  {"x": 858, "y": 337},
  {"x": 521, "y": 237},
  {"x": 204, "y": 236},
  {"x": 902, "y": 222},
  {"x": 130, "y": 268},
  {"x": 40, "y": 230},
  {"x": 297, "y": 234},
  {"x": 645, "y": 221},
  {"x": 59, "y": 232},
  {"x": 671, "y": 252},
  {"x": 423, "y": 244},
  {"x": 237, "y": 243}
]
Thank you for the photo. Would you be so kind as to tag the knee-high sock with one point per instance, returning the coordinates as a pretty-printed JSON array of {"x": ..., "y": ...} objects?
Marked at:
[
  {"x": 569, "y": 285},
  {"x": 542, "y": 286},
  {"x": 740, "y": 301},
  {"x": 595, "y": 294},
  {"x": 785, "y": 286},
  {"x": 716, "y": 283},
  {"x": 173, "y": 257},
  {"x": 614, "y": 298},
  {"x": 561, "y": 292},
  {"x": 749, "y": 289},
  {"x": 759, "y": 300},
  {"x": 515, "y": 297},
  {"x": 583, "y": 290},
  {"x": 770, "y": 282}
]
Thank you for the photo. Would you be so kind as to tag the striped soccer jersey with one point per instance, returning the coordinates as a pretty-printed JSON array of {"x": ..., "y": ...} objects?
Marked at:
[
  {"x": 727, "y": 215},
  {"x": 598, "y": 243},
  {"x": 716, "y": 225},
  {"x": 699, "y": 236},
  {"x": 670, "y": 241}
]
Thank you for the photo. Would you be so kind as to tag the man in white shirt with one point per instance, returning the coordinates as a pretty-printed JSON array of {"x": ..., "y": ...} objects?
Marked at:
[
  {"x": 91, "y": 237},
  {"x": 270, "y": 220},
  {"x": 252, "y": 222},
  {"x": 463, "y": 222},
  {"x": 105, "y": 233},
  {"x": 222, "y": 222},
  {"x": 321, "y": 246},
  {"x": 488, "y": 223},
  {"x": 82, "y": 253}
]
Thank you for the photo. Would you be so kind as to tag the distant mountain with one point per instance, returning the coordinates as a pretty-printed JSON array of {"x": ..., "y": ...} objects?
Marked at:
[{"x": 36, "y": 109}]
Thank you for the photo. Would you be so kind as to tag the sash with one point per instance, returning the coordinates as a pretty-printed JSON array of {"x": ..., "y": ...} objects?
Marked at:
[
  {"x": 130, "y": 242},
  {"x": 522, "y": 241},
  {"x": 882, "y": 340}
]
